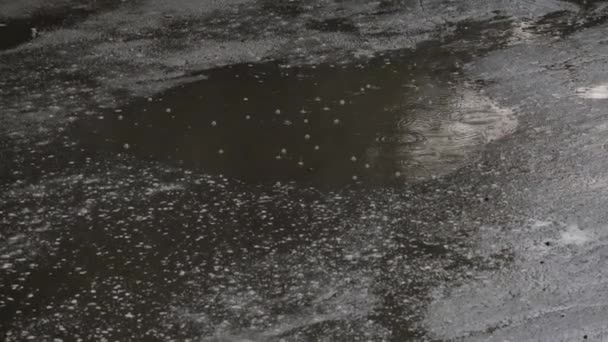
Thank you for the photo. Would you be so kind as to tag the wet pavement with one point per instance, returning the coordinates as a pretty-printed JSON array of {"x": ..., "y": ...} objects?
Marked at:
[{"x": 439, "y": 192}]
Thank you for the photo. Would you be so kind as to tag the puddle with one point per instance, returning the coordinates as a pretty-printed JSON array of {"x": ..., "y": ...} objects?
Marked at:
[{"x": 400, "y": 117}]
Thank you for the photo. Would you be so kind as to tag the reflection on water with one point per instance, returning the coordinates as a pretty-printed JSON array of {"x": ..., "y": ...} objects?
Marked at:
[{"x": 394, "y": 118}]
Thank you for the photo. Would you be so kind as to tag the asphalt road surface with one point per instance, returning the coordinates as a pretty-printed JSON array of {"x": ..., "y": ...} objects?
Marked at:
[{"x": 252, "y": 170}]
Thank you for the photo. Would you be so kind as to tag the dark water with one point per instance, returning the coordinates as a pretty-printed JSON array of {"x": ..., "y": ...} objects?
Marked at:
[
  {"x": 18, "y": 31},
  {"x": 382, "y": 121}
]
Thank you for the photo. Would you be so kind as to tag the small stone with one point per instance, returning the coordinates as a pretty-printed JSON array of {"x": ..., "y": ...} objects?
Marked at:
[{"x": 126, "y": 146}]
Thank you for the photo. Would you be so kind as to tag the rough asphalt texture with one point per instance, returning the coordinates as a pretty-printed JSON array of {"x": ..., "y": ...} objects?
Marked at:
[{"x": 103, "y": 245}]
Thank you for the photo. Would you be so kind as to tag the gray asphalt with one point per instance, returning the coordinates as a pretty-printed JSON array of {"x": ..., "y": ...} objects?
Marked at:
[{"x": 304, "y": 171}]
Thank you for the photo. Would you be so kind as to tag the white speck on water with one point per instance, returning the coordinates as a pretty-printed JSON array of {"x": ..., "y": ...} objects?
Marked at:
[
  {"x": 284, "y": 151},
  {"x": 302, "y": 111},
  {"x": 326, "y": 109},
  {"x": 213, "y": 123},
  {"x": 305, "y": 120},
  {"x": 353, "y": 159},
  {"x": 336, "y": 121},
  {"x": 129, "y": 315},
  {"x": 317, "y": 147},
  {"x": 599, "y": 92},
  {"x": 278, "y": 111},
  {"x": 355, "y": 177},
  {"x": 126, "y": 146},
  {"x": 120, "y": 117},
  {"x": 318, "y": 99},
  {"x": 220, "y": 151},
  {"x": 397, "y": 174},
  {"x": 168, "y": 110},
  {"x": 245, "y": 99},
  {"x": 367, "y": 166},
  {"x": 300, "y": 163},
  {"x": 368, "y": 86},
  {"x": 342, "y": 102},
  {"x": 247, "y": 117},
  {"x": 307, "y": 136},
  {"x": 150, "y": 99}
]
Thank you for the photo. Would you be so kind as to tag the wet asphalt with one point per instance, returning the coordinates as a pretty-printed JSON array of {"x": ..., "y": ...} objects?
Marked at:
[{"x": 273, "y": 201}]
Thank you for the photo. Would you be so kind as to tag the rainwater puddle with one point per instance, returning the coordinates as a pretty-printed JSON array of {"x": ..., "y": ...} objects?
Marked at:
[{"x": 392, "y": 119}]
